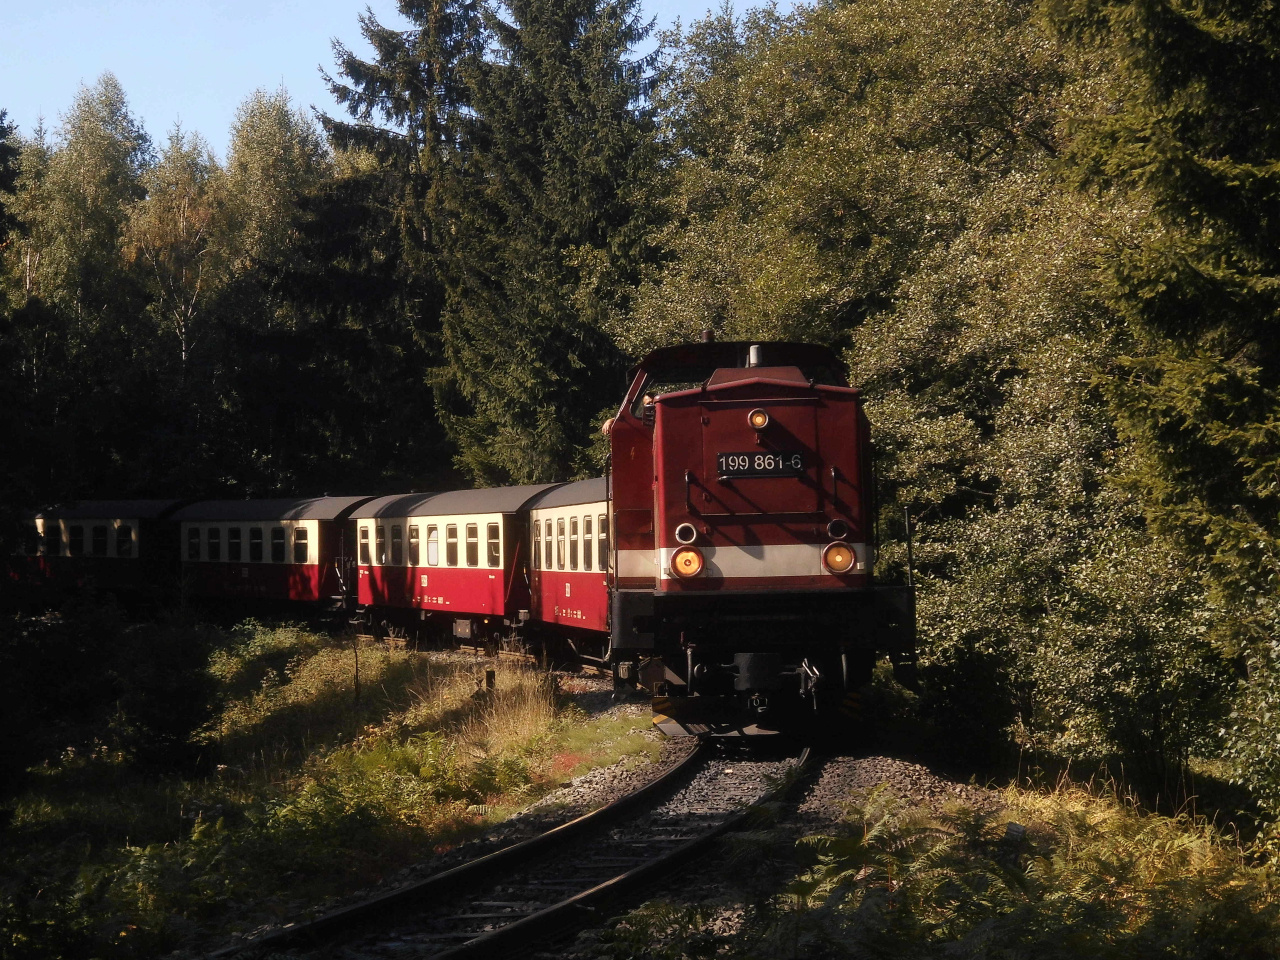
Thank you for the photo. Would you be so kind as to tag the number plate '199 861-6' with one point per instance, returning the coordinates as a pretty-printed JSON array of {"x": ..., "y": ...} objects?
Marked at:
[{"x": 759, "y": 464}]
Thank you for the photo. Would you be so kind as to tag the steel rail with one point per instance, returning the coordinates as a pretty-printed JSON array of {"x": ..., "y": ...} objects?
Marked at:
[
  {"x": 309, "y": 933},
  {"x": 561, "y": 917}
]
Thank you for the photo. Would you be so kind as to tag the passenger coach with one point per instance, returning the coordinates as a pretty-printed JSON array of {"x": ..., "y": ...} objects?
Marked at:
[
  {"x": 278, "y": 550},
  {"x": 571, "y": 557},
  {"x": 455, "y": 560},
  {"x": 126, "y": 547}
]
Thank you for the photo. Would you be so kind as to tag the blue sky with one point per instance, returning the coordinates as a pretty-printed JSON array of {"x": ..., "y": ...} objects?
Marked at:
[{"x": 193, "y": 61}]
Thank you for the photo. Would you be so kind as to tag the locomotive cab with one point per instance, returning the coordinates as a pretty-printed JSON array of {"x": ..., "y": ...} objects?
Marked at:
[{"x": 745, "y": 601}]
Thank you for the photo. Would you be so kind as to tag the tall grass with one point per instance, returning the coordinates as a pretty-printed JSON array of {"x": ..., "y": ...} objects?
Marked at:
[
  {"x": 1069, "y": 874},
  {"x": 318, "y": 784}
]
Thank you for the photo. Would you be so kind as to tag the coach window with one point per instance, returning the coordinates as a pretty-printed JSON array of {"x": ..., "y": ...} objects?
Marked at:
[
  {"x": 31, "y": 541},
  {"x": 473, "y": 545},
  {"x": 299, "y": 544},
  {"x": 52, "y": 538},
  {"x": 433, "y": 546},
  {"x": 493, "y": 549},
  {"x": 233, "y": 544},
  {"x": 364, "y": 546},
  {"x": 99, "y": 542},
  {"x": 124, "y": 540},
  {"x": 193, "y": 543},
  {"x": 277, "y": 544},
  {"x": 586, "y": 543},
  {"x": 573, "y": 543},
  {"x": 380, "y": 544},
  {"x": 560, "y": 543},
  {"x": 413, "y": 546},
  {"x": 75, "y": 541},
  {"x": 451, "y": 545},
  {"x": 602, "y": 542},
  {"x": 255, "y": 544},
  {"x": 215, "y": 543},
  {"x": 546, "y": 554},
  {"x": 397, "y": 545},
  {"x": 537, "y": 544}
]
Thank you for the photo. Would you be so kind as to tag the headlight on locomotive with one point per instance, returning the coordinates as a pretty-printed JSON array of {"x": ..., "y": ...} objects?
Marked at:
[
  {"x": 839, "y": 557},
  {"x": 687, "y": 563}
]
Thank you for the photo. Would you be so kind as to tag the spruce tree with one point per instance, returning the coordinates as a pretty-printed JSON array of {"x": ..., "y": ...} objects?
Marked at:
[
  {"x": 1187, "y": 126},
  {"x": 1190, "y": 127},
  {"x": 540, "y": 229}
]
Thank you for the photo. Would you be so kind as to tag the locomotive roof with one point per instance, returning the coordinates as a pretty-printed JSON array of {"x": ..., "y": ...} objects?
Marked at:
[
  {"x": 110, "y": 510},
  {"x": 582, "y": 491},
  {"x": 453, "y": 502},
  {"x": 815, "y": 360},
  {"x": 312, "y": 508}
]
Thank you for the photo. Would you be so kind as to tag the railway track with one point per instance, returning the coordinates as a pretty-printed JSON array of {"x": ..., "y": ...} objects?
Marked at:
[{"x": 503, "y": 903}]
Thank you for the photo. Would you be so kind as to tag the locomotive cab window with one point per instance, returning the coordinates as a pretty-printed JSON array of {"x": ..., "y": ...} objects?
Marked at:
[
  {"x": 451, "y": 545},
  {"x": 100, "y": 540},
  {"x": 215, "y": 543},
  {"x": 364, "y": 546},
  {"x": 573, "y": 543},
  {"x": 493, "y": 544},
  {"x": 233, "y": 545},
  {"x": 300, "y": 545},
  {"x": 473, "y": 545},
  {"x": 537, "y": 544},
  {"x": 413, "y": 546},
  {"x": 586, "y": 543},
  {"x": 433, "y": 546},
  {"x": 602, "y": 542},
  {"x": 397, "y": 545},
  {"x": 255, "y": 544},
  {"x": 277, "y": 544},
  {"x": 380, "y": 544}
]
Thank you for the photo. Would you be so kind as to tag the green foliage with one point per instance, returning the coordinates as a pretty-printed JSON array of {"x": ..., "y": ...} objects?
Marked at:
[
  {"x": 1079, "y": 876},
  {"x": 1186, "y": 129},
  {"x": 539, "y": 218}
]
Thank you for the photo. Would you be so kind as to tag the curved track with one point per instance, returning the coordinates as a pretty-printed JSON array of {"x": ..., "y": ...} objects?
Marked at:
[{"x": 502, "y": 903}]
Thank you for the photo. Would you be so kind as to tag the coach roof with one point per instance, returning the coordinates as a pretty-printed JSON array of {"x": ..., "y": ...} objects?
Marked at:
[
  {"x": 570, "y": 494},
  {"x": 314, "y": 508},
  {"x": 110, "y": 510},
  {"x": 453, "y": 502}
]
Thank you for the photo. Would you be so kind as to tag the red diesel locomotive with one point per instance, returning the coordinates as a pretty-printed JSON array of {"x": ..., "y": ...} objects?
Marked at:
[{"x": 744, "y": 518}]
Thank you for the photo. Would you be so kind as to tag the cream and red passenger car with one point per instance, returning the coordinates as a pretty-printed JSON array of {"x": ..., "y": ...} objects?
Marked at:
[
  {"x": 458, "y": 559},
  {"x": 571, "y": 556},
  {"x": 279, "y": 550}
]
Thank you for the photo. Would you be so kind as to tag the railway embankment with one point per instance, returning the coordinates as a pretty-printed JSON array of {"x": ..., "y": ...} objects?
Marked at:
[{"x": 320, "y": 766}]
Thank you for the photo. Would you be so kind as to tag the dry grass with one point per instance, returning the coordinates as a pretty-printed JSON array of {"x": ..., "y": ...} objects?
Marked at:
[{"x": 321, "y": 786}]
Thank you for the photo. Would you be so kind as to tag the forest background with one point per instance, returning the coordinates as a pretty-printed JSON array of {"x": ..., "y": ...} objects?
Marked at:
[{"x": 1045, "y": 234}]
